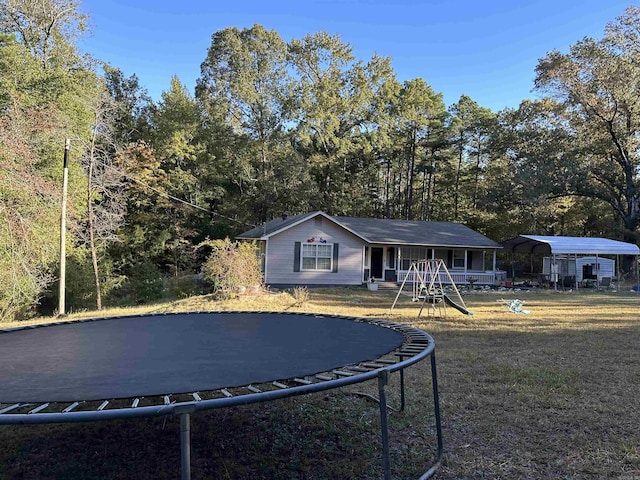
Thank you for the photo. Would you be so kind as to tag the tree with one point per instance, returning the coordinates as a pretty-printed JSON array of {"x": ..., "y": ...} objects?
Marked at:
[
  {"x": 29, "y": 215},
  {"x": 179, "y": 146},
  {"x": 244, "y": 81},
  {"x": 532, "y": 156},
  {"x": 597, "y": 84},
  {"x": 340, "y": 104},
  {"x": 131, "y": 109},
  {"x": 419, "y": 114},
  {"x": 36, "y": 101},
  {"x": 104, "y": 196},
  {"x": 47, "y": 28},
  {"x": 471, "y": 127}
]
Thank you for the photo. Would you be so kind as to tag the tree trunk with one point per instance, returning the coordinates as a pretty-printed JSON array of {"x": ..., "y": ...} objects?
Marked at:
[
  {"x": 91, "y": 227},
  {"x": 457, "y": 185}
]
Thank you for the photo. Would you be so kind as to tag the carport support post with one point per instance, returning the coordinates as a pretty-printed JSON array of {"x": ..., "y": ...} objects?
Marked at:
[{"x": 383, "y": 380}]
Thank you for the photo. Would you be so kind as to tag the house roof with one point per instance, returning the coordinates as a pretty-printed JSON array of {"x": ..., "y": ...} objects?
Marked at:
[
  {"x": 388, "y": 232},
  {"x": 413, "y": 232},
  {"x": 264, "y": 231},
  {"x": 569, "y": 245}
]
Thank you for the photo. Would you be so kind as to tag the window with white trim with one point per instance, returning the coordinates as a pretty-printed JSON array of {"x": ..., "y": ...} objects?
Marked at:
[
  {"x": 458, "y": 258},
  {"x": 317, "y": 256}
]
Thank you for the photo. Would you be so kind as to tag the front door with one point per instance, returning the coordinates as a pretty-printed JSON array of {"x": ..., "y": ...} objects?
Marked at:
[{"x": 376, "y": 262}]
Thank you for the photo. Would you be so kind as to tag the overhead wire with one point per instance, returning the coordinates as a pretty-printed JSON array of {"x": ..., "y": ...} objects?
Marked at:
[
  {"x": 185, "y": 202},
  {"x": 177, "y": 199}
]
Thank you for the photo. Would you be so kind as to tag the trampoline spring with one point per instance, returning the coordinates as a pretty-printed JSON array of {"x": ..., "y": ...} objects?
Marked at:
[
  {"x": 386, "y": 362},
  {"x": 71, "y": 407},
  {"x": 372, "y": 366},
  {"x": 166, "y": 399},
  {"x": 226, "y": 393},
  {"x": 359, "y": 369},
  {"x": 103, "y": 405},
  {"x": 410, "y": 350},
  {"x": 12, "y": 407},
  {"x": 341, "y": 373},
  {"x": 325, "y": 378},
  {"x": 280, "y": 385},
  {"x": 196, "y": 396},
  {"x": 39, "y": 409},
  {"x": 254, "y": 389},
  {"x": 135, "y": 403},
  {"x": 302, "y": 381}
]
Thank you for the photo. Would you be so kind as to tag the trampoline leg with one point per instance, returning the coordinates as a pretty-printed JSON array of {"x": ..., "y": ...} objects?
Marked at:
[
  {"x": 383, "y": 380},
  {"x": 185, "y": 446},
  {"x": 402, "y": 398},
  {"x": 436, "y": 408},
  {"x": 436, "y": 405}
]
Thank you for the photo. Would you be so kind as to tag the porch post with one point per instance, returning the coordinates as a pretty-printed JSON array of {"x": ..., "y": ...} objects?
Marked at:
[
  {"x": 362, "y": 263},
  {"x": 494, "y": 265},
  {"x": 466, "y": 265}
]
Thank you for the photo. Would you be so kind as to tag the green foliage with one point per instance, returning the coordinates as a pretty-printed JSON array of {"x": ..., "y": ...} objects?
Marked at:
[
  {"x": 145, "y": 284},
  {"x": 29, "y": 217},
  {"x": 46, "y": 94},
  {"x": 232, "y": 266},
  {"x": 80, "y": 282},
  {"x": 596, "y": 85}
]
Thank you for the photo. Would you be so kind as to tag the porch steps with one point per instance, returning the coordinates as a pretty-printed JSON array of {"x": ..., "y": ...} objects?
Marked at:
[{"x": 387, "y": 286}]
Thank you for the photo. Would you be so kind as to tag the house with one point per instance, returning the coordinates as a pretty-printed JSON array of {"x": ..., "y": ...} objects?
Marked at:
[{"x": 319, "y": 249}]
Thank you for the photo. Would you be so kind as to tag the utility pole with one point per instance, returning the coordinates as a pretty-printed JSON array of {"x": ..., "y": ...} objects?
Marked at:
[{"x": 63, "y": 230}]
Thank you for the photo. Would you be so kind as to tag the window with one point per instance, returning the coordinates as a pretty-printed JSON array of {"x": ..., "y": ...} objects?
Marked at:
[
  {"x": 412, "y": 255},
  {"x": 317, "y": 256},
  {"x": 458, "y": 259},
  {"x": 391, "y": 257}
]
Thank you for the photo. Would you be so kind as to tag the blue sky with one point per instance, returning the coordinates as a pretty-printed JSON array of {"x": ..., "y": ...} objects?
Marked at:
[{"x": 486, "y": 49}]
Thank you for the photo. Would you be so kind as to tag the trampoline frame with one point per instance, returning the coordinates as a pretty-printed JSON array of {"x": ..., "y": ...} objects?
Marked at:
[{"x": 417, "y": 346}]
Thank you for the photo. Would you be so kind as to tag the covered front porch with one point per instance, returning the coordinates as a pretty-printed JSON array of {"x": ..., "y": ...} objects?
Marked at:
[{"x": 391, "y": 263}]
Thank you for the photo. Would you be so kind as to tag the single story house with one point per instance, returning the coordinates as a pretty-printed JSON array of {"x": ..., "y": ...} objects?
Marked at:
[{"x": 319, "y": 249}]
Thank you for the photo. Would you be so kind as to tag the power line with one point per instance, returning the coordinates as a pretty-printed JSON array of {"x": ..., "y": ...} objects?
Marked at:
[{"x": 185, "y": 202}]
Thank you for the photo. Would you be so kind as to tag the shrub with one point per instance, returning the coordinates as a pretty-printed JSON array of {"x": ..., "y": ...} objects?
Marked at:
[
  {"x": 300, "y": 296},
  {"x": 145, "y": 283},
  {"x": 232, "y": 266}
]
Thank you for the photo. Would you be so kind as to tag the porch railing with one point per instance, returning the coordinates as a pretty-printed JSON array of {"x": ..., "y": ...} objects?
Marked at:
[{"x": 477, "y": 278}]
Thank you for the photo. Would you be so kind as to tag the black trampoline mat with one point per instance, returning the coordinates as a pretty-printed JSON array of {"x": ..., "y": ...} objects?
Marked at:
[{"x": 125, "y": 357}]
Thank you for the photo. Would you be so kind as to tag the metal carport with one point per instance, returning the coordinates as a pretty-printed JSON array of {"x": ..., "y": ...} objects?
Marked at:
[{"x": 556, "y": 245}]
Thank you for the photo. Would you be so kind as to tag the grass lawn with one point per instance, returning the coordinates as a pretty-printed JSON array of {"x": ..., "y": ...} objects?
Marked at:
[{"x": 552, "y": 394}]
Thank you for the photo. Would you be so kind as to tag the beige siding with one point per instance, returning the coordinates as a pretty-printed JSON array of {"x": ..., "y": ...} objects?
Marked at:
[{"x": 280, "y": 255}]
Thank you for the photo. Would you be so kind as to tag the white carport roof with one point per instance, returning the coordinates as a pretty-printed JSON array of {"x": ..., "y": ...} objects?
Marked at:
[{"x": 569, "y": 245}]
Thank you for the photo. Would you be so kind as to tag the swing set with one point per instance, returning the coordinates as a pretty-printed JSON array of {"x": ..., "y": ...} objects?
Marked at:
[{"x": 425, "y": 279}]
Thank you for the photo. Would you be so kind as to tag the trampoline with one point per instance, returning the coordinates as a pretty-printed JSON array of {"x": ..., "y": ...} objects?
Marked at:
[{"x": 181, "y": 363}]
